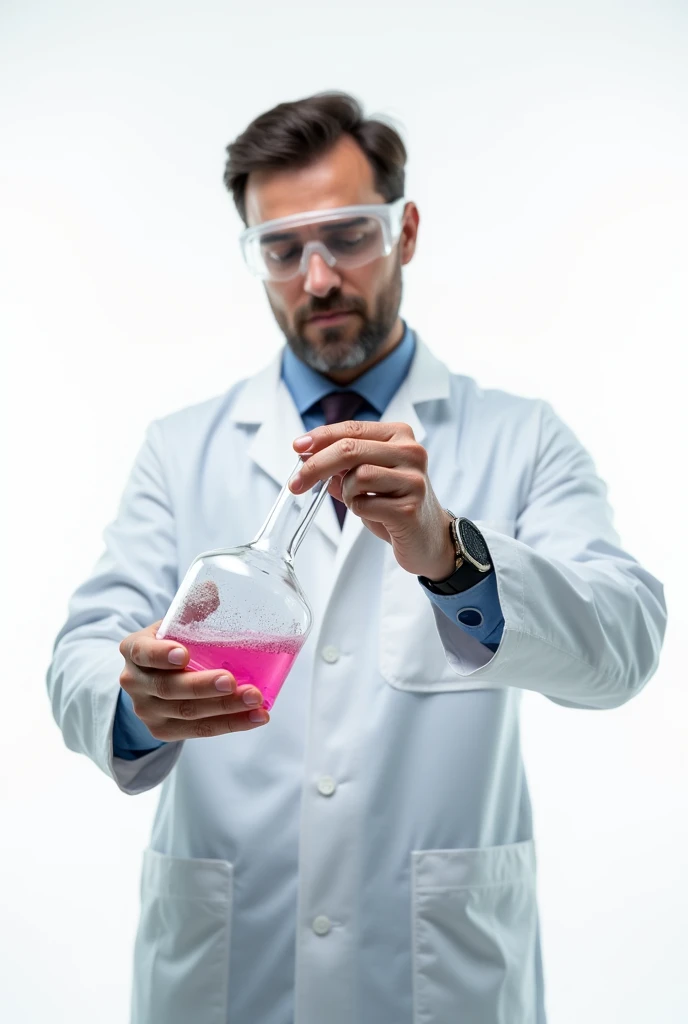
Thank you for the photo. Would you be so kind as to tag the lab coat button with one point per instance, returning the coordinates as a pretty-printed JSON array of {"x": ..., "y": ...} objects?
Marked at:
[
  {"x": 470, "y": 617},
  {"x": 326, "y": 785},
  {"x": 330, "y": 654},
  {"x": 321, "y": 925}
]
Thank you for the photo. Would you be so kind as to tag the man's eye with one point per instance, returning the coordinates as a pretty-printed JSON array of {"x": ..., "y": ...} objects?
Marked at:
[
  {"x": 348, "y": 241},
  {"x": 282, "y": 255}
]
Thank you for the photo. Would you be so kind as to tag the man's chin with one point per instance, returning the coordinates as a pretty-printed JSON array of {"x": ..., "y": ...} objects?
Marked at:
[
  {"x": 333, "y": 348},
  {"x": 336, "y": 356}
]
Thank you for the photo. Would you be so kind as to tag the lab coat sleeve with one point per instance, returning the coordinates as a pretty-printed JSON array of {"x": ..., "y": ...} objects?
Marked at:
[
  {"x": 583, "y": 621},
  {"x": 130, "y": 587}
]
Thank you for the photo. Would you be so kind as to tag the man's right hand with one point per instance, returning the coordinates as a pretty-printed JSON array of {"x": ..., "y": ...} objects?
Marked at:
[{"x": 179, "y": 705}]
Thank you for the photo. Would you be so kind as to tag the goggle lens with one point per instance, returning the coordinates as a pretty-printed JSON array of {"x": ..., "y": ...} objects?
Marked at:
[{"x": 351, "y": 243}]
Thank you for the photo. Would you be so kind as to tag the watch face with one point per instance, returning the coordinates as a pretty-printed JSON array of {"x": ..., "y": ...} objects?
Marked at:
[{"x": 473, "y": 542}]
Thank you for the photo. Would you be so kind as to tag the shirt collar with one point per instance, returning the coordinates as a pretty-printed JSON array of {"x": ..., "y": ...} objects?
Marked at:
[{"x": 377, "y": 385}]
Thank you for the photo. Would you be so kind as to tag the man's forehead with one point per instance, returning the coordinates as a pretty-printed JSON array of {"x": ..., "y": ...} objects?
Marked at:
[{"x": 341, "y": 177}]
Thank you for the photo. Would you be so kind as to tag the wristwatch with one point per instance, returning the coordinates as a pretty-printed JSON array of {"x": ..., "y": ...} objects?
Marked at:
[{"x": 473, "y": 562}]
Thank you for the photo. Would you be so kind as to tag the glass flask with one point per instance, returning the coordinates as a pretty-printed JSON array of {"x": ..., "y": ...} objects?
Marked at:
[{"x": 242, "y": 609}]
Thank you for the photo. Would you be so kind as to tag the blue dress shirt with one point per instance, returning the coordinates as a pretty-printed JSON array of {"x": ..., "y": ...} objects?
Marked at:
[{"x": 476, "y": 610}]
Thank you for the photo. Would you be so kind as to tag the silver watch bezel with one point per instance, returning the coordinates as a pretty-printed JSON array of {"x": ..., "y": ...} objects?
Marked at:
[{"x": 459, "y": 546}]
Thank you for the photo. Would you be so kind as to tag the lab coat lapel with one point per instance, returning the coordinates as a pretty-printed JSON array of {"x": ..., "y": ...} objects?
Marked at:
[{"x": 266, "y": 400}]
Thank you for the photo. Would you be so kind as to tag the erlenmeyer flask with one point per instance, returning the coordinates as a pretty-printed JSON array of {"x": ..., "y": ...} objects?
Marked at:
[{"x": 242, "y": 609}]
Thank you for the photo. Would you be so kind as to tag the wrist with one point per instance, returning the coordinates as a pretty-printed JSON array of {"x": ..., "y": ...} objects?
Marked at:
[{"x": 445, "y": 563}]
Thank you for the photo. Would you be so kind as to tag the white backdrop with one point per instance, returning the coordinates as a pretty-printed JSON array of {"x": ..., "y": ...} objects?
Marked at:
[{"x": 549, "y": 159}]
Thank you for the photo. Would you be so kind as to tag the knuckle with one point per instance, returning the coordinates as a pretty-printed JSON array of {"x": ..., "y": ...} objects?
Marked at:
[
  {"x": 202, "y": 729},
  {"x": 135, "y": 650},
  {"x": 418, "y": 454},
  {"x": 126, "y": 679},
  {"x": 187, "y": 709},
  {"x": 227, "y": 705},
  {"x": 349, "y": 446},
  {"x": 420, "y": 482},
  {"x": 137, "y": 653},
  {"x": 159, "y": 730},
  {"x": 367, "y": 473},
  {"x": 410, "y": 451},
  {"x": 161, "y": 685},
  {"x": 140, "y": 706}
]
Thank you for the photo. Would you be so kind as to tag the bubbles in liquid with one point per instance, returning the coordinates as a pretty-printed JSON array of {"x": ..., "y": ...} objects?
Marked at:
[
  {"x": 202, "y": 600},
  {"x": 264, "y": 643},
  {"x": 229, "y": 619}
]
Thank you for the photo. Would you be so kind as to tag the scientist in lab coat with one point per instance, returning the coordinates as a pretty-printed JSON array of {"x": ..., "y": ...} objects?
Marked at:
[{"x": 364, "y": 853}]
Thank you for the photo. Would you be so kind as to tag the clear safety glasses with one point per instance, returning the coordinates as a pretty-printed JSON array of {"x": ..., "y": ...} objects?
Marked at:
[{"x": 347, "y": 236}]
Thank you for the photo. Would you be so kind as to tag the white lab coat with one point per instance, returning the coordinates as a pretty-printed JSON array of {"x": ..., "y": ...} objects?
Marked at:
[{"x": 366, "y": 858}]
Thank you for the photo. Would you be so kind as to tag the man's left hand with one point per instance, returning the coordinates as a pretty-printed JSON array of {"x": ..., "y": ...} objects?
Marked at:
[{"x": 380, "y": 473}]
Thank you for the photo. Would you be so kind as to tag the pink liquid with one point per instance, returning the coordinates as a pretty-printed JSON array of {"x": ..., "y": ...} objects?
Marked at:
[{"x": 262, "y": 661}]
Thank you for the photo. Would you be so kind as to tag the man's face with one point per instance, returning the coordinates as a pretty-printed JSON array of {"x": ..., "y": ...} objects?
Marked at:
[{"x": 333, "y": 318}]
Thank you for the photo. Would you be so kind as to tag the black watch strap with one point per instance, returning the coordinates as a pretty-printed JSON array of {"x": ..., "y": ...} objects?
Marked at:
[{"x": 465, "y": 577}]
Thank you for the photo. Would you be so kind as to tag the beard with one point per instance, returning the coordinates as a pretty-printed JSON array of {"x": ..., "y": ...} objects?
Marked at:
[{"x": 335, "y": 351}]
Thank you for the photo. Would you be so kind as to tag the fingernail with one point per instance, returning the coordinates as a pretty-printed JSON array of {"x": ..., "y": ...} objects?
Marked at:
[
  {"x": 176, "y": 657},
  {"x": 305, "y": 441},
  {"x": 251, "y": 697},
  {"x": 296, "y": 483},
  {"x": 258, "y": 715},
  {"x": 225, "y": 684}
]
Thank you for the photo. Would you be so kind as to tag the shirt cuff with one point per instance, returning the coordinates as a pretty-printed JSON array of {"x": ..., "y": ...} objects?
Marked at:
[
  {"x": 476, "y": 610},
  {"x": 130, "y": 737}
]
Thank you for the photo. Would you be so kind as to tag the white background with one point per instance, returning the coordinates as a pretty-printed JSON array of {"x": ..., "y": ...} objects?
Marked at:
[{"x": 548, "y": 156}]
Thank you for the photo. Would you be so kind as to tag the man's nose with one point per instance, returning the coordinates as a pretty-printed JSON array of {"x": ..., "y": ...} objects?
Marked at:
[{"x": 320, "y": 279}]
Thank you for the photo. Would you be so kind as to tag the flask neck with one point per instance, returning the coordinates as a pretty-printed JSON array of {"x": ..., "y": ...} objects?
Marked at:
[{"x": 288, "y": 520}]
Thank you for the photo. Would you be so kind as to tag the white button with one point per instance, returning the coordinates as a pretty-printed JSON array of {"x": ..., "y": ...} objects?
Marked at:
[
  {"x": 330, "y": 654},
  {"x": 326, "y": 785},
  {"x": 322, "y": 925}
]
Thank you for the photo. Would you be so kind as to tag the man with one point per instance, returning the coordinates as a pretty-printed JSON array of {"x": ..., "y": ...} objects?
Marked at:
[{"x": 364, "y": 853}]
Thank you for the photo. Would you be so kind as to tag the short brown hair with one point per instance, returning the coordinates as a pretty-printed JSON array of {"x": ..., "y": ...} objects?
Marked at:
[{"x": 296, "y": 133}]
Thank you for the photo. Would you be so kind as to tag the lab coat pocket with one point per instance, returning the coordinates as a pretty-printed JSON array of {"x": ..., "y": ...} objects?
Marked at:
[
  {"x": 410, "y": 653},
  {"x": 475, "y": 935},
  {"x": 181, "y": 966}
]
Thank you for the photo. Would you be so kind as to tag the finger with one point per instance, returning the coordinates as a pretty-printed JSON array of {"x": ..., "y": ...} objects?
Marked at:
[
  {"x": 169, "y": 685},
  {"x": 385, "y": 483},
  {"x": 349, "y": 452},
  {"x": 202, "y": 728},
  {"x": 191, "y": 709},
  {"x": 144, "y": 650},
  {"x": 321, "y": 437},
  {"x": 376, "y": 509}
]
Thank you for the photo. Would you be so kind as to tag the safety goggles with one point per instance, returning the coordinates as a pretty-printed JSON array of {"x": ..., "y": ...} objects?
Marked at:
[{"x": 346, "y": 236}]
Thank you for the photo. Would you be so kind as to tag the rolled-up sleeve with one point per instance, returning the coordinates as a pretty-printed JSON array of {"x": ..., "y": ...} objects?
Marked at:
[{"x": 476, "y": 610}]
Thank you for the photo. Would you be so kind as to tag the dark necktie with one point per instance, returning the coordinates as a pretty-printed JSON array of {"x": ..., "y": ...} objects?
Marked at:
[{"x": 339, "y": 406}]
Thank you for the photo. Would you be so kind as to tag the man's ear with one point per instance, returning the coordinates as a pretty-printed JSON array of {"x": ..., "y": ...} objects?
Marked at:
[{"x": 409, "y": 233}]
